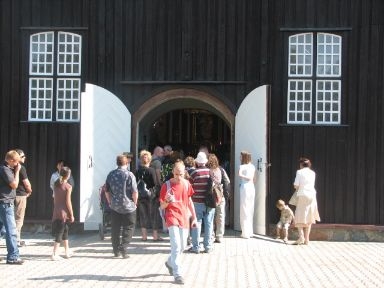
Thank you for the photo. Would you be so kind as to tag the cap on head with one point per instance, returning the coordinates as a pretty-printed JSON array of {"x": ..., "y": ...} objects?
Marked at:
[{"x": 201, "y": 158}]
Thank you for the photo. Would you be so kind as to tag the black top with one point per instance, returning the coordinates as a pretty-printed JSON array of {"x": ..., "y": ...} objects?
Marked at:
[{"x": 7, "y": 194}]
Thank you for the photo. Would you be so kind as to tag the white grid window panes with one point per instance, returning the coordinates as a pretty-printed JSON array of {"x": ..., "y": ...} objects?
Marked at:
[
  {"x": 328, "y": 101},
  {"x": 68, "y": 99},
  {"x": 69, "y": 56},
  {"x": 40, "y": 99},
  {"x": 41, "y": 54},
  {"x": 55, "y": 76},
  {"x": 328, "y": 55},
  {"x": 314, "y": 79},
  {"x": 299, "y": 101},
  {"x": 300, "y": 55}
]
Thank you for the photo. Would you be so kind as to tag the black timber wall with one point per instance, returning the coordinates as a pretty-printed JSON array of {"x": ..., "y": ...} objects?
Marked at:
[{"x": 225, "y": 47}]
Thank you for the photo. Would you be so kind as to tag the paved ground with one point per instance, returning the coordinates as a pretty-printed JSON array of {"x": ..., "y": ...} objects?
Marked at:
[{"x": 257, "y": 262}]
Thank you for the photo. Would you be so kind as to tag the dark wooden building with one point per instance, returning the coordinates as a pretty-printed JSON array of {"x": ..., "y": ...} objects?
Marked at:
[{"x": 182, "y": 69}]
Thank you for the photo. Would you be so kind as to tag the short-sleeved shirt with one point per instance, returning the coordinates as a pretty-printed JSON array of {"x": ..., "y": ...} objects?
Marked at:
[
  {"x": 7, "y": 194},
  {"x": 177, "y": 213},
  {"x": 121, "y": 183},
  {"x": 200, "y": 183},
  {"x": 286, "y": 215},
  {"x": 20, "y": 190},
  {"x": 305, "y": 180}
]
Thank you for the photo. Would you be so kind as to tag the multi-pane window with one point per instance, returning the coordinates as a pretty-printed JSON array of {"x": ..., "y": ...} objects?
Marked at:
[
  {"x": 54, "y": 77},
  {"x": 314, "y": 79}
]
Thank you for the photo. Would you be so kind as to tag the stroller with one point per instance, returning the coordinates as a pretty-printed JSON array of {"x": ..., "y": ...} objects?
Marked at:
[{"x": 105, "y": 226}]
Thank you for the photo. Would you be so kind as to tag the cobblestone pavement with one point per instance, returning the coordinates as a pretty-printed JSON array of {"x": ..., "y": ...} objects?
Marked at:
[{"x": 236, "y": 262}]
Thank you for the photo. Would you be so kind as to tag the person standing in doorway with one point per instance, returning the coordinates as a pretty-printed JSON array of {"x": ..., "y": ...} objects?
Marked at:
[
  {"x": 23, "y": 191},
  {"x": 148, "y": 207},
  {"x": 219, "y": 177},
  {"x": 9, "y": 179},
  {"x": 247, "y": 194},
  {"x": 122, "y": 195}
]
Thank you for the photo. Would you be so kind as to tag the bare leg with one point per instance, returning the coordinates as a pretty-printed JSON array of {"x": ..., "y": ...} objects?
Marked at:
[
  {"x": 307, "y": 231},
  {"x": 144, "y": 234},
  {"x": 278, "y": 233},
  {"x": 56, "y": 247},
  {"x": 68, "y": 252},
  {"x": 300, "y": 240},
  {"x": 156, "y": 235},
  {"x": 285, "y": 235}
]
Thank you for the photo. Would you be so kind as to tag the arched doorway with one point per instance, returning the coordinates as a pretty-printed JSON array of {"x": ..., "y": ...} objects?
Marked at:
[{"x": 186, "y": 119}]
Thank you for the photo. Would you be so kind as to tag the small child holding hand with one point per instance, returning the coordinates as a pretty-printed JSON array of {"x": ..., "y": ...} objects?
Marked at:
[{"x": 286, "y": 218}]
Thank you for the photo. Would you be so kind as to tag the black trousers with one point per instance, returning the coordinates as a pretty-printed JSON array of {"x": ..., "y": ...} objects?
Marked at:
[{"x": 124, "y": 223}]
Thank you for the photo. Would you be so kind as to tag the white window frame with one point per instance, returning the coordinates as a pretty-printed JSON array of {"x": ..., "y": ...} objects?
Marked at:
[
  {"x": 325, "y": 89},
  {"x": 55, "y": 101}
]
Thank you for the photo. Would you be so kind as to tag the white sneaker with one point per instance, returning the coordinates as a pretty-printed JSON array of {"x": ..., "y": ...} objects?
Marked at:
[{"x": 56, "y": 257}]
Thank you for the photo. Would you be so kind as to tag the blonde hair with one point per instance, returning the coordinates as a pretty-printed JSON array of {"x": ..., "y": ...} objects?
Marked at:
[
  {"x": 12, "y": 155},
  {"x": 145, "y": 152},
  {"x": 280, "y": 203},
  {"x": 213, "y": 162}
]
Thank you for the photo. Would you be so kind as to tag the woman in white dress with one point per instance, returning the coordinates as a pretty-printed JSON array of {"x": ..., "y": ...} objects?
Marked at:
[
  {"x": 306, "y": 212},
  {"x": 247, "y": 194}
]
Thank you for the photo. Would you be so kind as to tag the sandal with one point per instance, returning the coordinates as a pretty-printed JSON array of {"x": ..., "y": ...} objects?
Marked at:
[{"x": 158, "y": 239}]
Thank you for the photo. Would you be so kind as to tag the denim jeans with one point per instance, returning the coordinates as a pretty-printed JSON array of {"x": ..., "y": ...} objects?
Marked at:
[
  {"x": 178, "y": 238},
  {"x": 7, "y": 217},
  {"x": 207, "y": 214}
]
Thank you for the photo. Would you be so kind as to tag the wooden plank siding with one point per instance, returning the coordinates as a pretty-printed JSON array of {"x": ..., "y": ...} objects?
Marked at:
[{"x": 241, "y": 44}]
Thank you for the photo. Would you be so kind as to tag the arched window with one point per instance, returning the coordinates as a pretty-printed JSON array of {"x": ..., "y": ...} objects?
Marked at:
[
  {"x": 314, "y": 79},
  {"x": 54, "y": 77}
]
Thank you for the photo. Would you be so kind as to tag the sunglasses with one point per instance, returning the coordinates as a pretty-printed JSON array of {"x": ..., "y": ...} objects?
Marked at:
[{"x": 22, "y": 156}]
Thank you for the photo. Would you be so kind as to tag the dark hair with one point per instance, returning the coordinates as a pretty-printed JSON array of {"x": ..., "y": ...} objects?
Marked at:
[
  {"x": 61, "y": 161},
  {"x": 305, "y": 162},
  {"x": 64, "y": 173}
]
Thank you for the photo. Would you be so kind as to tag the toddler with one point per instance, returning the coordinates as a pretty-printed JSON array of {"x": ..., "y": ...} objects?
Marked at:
[{"x": 285, "y": 221}]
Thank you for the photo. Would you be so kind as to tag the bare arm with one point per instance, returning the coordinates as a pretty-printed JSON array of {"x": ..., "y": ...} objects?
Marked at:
[
  {"x": 27, "y": 186},
  {"x": 135, "y": 196},
  {"x": 15, "y": 181},
  {"x": 193, "y": 213}
]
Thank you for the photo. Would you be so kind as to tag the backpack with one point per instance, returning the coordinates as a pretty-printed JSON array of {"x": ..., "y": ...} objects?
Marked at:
[
  {"x": 144, "y": 192},
  {"x": 214, "y": 194},
  {"x": 142, "y": 187}
]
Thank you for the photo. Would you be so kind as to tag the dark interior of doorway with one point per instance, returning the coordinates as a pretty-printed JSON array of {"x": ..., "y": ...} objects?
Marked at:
[{"x": 188, "y": 129}]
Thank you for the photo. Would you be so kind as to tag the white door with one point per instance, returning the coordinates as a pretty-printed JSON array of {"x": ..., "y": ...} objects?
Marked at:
[
  {"x": 105, "y": 133},
  {"x": 252, "y": 134}
]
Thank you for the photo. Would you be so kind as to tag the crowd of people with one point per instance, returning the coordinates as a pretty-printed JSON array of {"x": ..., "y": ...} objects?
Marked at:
[{"x": 168, "y": 192}]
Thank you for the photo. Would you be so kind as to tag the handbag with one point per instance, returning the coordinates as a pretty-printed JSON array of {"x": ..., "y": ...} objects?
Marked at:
[
  {"x": 144, "y": 192},
  {"x": 293, "y": 200}
]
